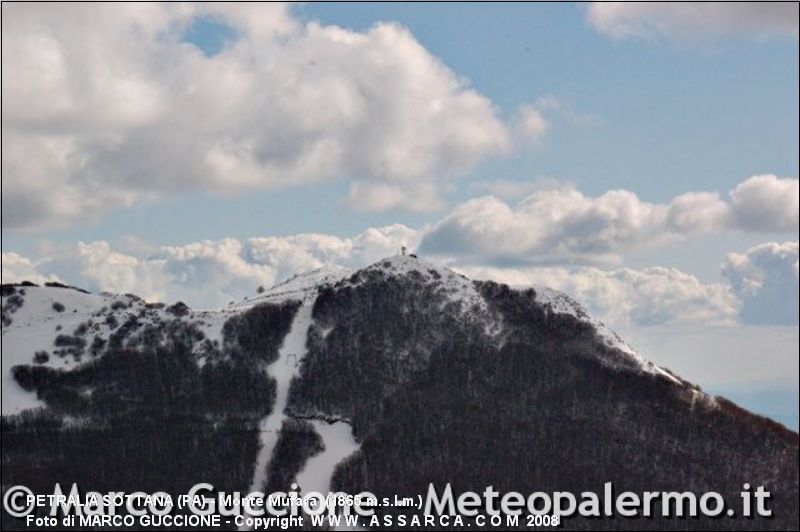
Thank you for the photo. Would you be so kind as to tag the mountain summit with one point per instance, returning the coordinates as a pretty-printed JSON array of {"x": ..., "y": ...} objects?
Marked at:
[{"x": 385, "y": 379}]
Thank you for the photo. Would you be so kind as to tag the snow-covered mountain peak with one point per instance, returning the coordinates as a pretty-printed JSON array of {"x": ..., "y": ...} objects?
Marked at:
[
  {"x": 455, "y": 286},
  {"x": 403, "y": 264}
]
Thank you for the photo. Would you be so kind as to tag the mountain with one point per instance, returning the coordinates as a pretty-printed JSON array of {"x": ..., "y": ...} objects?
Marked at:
[{"x": 384, "y": 380}]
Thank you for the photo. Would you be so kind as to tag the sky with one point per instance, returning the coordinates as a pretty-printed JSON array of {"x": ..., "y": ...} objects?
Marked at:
[{"x": 641, "y": 157}]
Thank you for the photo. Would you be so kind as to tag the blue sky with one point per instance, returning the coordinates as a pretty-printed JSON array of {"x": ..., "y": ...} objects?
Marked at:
[{"x": 179, "y": 151}]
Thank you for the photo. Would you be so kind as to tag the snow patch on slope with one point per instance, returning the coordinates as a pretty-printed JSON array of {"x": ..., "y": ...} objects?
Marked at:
[
  {"x": 36, "y": 324},
  {"x": 34, "y": 327},
  {"x": 283, "y": 370},
  {"x": 337, "y": 437},
  {"x": 300, "y": 287}
]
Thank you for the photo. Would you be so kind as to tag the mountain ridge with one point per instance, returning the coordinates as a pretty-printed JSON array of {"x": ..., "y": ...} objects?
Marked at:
[
  {"x": 302, "y": 285},
  {"x": 381, "y": 379}
]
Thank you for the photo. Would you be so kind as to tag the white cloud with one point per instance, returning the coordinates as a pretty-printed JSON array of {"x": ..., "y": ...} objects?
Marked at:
[
  {"x": 766, "y": 203},
  {"x": 765, "y": 278},
  {"x": 696, "y": 212},
  {"x": 531, "y": 123},
  {"x": 18, "y": 268},
  {"x": 562, "y": 224},
  {"x": 623, "y": 297},
  {"x": 693, "y": 20},
  {"x": 534, "y": 120},
  {"x": 259, "y": 21},
  {"x": 105, "y": 106},
  {"x": 558, "y": 224}
]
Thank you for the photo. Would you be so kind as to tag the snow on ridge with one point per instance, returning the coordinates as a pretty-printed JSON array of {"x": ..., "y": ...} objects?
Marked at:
[
  {"x": 34, "y": 327},
  {"x": 403, "y": 264},
  {"x": 301, "y": 286},
  {"x": 48, "y": 311},
  {"x": 561, "y": 303},
  {"x": 298, "y": 287},
  {"x": 455, "y": 286}
]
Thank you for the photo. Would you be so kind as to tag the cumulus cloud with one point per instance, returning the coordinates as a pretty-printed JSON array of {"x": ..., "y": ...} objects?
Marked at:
[
  {"x": 106, "y": 106},
  {"x": 205, "y": 274},
  {"x": 765, "y": 278},
  {"x": 531, "y": 123},
  {"x": 693, "y": 20},
  {"x": 545, "y": 226},
  {"x": 19, "y": 268},
  {"x": 766, "y": 203},
  {"x": 623, "y": 297},
  {"x": 562, "y": 224},
  {"x": 534, "y": 120}
]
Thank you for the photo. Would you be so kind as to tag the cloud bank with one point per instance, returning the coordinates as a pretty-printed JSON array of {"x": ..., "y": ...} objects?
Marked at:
[{"x": 564, "y": 225}]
